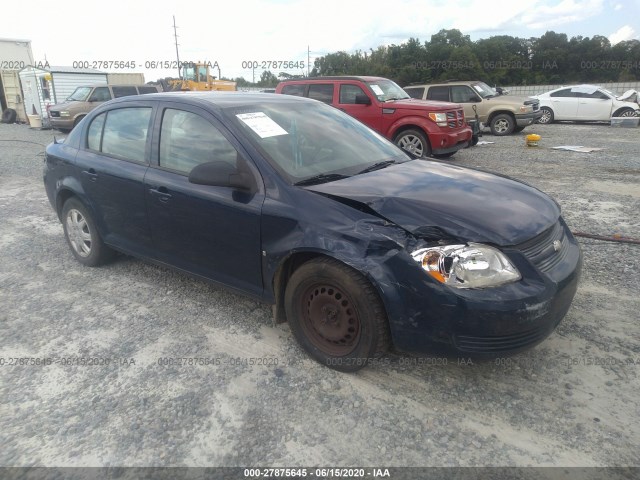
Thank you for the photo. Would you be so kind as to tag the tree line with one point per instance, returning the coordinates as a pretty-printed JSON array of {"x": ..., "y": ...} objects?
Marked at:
[{"x": 552, "y": 58}]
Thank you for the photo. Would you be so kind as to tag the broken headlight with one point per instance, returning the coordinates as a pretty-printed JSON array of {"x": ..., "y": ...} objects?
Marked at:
[{"x": 467, "y": 266}]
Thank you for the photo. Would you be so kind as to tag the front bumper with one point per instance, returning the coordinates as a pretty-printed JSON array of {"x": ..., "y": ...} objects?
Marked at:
[
  {"x": 525, "y": 119},
  {"x": 442, "y": 143},
  {"x": 62, "y": 122},
  {"x": 424, "y": 314}
]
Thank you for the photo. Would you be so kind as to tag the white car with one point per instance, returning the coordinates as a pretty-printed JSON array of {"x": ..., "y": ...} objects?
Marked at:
[{"x": 586, "y": 103}]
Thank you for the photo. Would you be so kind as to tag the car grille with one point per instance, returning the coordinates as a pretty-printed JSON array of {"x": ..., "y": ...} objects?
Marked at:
[
  {"x": 540, "y": 250},
  {"x": 54, "y": 114},
  {"x": 501, "y": 343},
  {"x": 455, "y": 119}
]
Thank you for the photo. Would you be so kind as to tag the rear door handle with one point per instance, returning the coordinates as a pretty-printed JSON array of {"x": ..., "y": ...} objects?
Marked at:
[
  {"x": 91, "y": 174},
  {"x": 162, "y": 193}
]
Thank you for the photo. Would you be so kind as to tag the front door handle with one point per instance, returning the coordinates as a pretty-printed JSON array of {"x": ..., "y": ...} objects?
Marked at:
[{"x": 162, "y": 193}]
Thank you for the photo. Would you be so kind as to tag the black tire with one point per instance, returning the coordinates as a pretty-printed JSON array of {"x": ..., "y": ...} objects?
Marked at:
[
  {"x": 336, "y": 315},
  {"x": 547, "y": 116},
  {"x": 9, "y": 115},
  {"x": 415, "y": 142},
  {"x": 502, "y": 124},
  {"x": 78, "y": 120},
  {"x": 474, "y": 140},
  {"x": 625, "y": 112},
  {"x": 82, "y": 235}
]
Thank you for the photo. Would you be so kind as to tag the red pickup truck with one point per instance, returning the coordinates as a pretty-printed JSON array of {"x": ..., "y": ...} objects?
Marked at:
[{"x": 424, "y": 128}]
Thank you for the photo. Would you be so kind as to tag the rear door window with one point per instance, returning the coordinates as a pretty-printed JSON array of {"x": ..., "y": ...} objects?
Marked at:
[
  {"x": 297, "y": 90},
  {"x": 322, "y": 92},
  {"x": 565, "y": 92},
  {"x": 438, "y": 93},
  {"x": 125, "y": 133}
]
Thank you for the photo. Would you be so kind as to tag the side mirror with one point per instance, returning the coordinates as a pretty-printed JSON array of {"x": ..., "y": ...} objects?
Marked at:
[
  {"x": 362, "y": 99},
  {"x": 222, "y": 174}
]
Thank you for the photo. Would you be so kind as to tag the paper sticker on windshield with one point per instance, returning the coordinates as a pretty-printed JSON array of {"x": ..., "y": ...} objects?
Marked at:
[
  {"x": 261, "y": 124},
  {"x": 376, "y": 89}
]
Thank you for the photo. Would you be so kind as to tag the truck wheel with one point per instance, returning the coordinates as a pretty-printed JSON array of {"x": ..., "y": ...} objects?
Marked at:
[
  {"x": 336, "y": 315},
  {"x": 9, "y": 116},
  {"x": 502, "y": 124},
  {"x": 414, "y": 142},
  {"x": 78, "y": 120},
  {"x": 547, "y": 115}
]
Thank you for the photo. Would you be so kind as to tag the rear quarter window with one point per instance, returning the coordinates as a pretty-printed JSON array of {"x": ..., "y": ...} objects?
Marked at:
[
  {"x": 145, "y": 90},
  {"x": 123, "y": 91}
]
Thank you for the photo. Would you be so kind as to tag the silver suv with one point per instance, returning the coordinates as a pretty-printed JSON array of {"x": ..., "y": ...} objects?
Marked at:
[{"x": 504, "y": 114}]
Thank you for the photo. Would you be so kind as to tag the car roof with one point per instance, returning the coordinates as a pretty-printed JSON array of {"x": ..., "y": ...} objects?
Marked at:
[
  {"x": 215, "y": 99},
  {"x": 446, "y": 82},
  {"x": 364, "y": 78}
]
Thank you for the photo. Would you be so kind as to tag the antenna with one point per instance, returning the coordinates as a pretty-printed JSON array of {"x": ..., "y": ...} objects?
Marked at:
[{"x": 175, "y": 34}]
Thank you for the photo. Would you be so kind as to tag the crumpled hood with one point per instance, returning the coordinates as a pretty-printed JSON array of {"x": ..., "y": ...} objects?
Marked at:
[{"x": 468, "y": 204}]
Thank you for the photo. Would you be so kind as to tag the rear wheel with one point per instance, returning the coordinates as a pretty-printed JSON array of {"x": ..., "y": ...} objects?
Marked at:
[
  {"x": 82, "y": 235},
  {"x": 336, "y": 315},
  {"x": 414, "y": 142},
  {"x": 547, "y": 116},
  {"x": 502, "y": 124}
]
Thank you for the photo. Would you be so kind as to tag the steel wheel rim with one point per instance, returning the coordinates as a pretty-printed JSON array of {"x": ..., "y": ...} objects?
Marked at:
[
  {"x": 78, "y": 233},
  {"x": 501, "y": 126},
  {"x": 330, "y": 320},
  {"x": 411, "y": 143},
  {"x": 546, "y": 116}
]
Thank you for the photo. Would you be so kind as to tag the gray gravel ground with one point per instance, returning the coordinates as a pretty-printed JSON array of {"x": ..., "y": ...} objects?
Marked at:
[{"x": 573, "y": 400}]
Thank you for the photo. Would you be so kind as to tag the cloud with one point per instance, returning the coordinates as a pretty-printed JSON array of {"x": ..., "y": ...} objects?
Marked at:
[
  {"x": 622, "y": 34},
  {"x": 566, "y": 11}
]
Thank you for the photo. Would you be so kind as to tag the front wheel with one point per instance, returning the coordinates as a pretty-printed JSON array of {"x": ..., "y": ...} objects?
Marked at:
[
  {"x": 414, "y": 142},
  {"x": 625, "y": 112},
  {"x": 82, "y": 235},
  {"x": 336, "y": 315},
  {"x": 502, "y": 124}
]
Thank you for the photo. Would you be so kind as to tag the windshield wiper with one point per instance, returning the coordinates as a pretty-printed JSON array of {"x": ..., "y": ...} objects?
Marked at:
[
  {"x": 321, "y": 178},
  {"x": 377, "y": 166},
  {"x": 396, "y": 98}
]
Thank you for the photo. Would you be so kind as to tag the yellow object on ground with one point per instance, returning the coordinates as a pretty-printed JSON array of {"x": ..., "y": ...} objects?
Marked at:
[{"x": 532, "y": 140}]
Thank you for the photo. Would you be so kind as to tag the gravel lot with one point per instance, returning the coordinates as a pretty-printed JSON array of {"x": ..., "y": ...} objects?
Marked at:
[{"x": 571, "y": 401}]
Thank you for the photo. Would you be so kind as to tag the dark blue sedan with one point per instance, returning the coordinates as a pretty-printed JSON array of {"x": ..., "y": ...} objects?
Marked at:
[{"x": 290, "y": 201}]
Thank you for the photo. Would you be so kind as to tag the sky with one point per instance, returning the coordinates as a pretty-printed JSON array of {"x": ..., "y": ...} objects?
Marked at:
[{"x": 231, "y": 33}]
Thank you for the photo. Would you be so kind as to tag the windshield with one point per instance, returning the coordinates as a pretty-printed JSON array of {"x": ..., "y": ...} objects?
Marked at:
[
  {"x": 484, "y": 90},
  {"x": 289, "y": 137},
  {"x": 80, "y": 94},
  {"x": 386, "y": 90}
]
